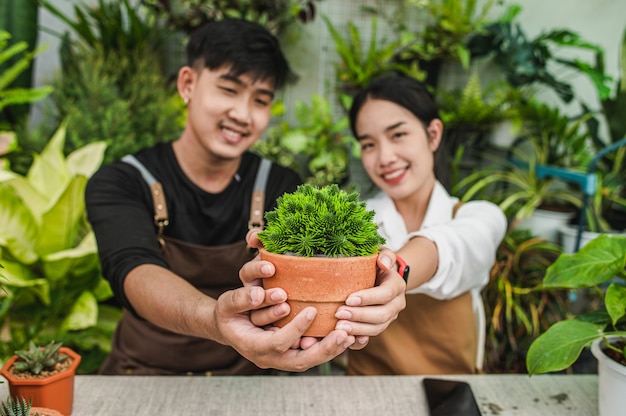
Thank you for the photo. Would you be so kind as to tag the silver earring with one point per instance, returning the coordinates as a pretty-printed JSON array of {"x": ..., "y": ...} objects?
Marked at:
[{"x": 186, "y": 100}]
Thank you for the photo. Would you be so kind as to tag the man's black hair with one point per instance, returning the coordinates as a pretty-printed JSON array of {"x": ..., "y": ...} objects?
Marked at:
[{"x": 247, "y": 47}]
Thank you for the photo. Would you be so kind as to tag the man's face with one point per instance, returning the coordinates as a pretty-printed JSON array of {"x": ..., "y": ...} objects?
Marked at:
[{"x": 228, "y": 114}]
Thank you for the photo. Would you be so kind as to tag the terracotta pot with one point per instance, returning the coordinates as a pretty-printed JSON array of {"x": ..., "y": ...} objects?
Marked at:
[
  {"x": 44, "y": 411},
  {"x": 55, "y": 392},
  {"x": 322, "y": 282}
]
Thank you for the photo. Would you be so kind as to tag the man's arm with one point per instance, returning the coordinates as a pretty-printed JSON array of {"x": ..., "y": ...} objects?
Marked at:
[{"x": 167, "y": 300}]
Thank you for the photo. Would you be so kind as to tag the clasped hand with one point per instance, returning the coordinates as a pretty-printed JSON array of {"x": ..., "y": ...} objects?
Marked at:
[{"x": 245, "y": 317}]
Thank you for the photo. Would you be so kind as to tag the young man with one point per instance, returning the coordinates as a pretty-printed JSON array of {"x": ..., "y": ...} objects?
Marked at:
[{"x": 176, "y": 255}]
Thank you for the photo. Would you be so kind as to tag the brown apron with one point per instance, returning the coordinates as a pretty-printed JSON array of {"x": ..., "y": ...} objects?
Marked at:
[
  {"x": 140, "y": 347},
  {"x": 430, "y": 336}
]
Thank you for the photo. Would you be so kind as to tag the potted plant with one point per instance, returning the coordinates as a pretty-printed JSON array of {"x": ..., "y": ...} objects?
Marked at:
[
  {"x": 516, "y": 312},
  {"x": 20, "y": 407},
  {"x": 43, "y": 375},
  {"x": 601, "y": 265},
  {"x": 540, "y": 184},
  {"x": 358, "y": 66},
  {"x": 324, "y": 246},
  {"x": 53, "y": 285},
  {"x": 318, "y": 146},
  {"x": 530, "y": 63}
]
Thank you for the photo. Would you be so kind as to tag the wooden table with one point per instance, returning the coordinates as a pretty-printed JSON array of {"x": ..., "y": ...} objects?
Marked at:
[{"x": 498, "y": 395}]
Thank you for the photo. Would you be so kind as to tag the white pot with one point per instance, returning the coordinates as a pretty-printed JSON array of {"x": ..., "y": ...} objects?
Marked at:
[
  {"x": 611, "y": 383},
  {"x": 569, "y": 233},
  {"x": 503, "y": 135},
  {"x": 546, "y": 223}
]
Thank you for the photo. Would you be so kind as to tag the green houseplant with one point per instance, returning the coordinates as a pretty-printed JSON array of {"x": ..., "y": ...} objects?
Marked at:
[
  {"x": 600, "y": 264},
  {"x": 320, "y": 240},
  {"x": 528, "y": 63},
  {"x": 20, "y": 407},
  {"x": 112, "y": 86},
  {"x": 54, "y": 288},
  {"x": 43, "y": 375},
  {"x": 516, "y": 312},
  {"x": 358, "y": 65},
  {"x": 318, "y": 146}
]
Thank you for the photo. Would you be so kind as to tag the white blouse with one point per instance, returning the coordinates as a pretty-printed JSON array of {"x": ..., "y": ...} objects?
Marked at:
[{"x": 466, "y": 244}]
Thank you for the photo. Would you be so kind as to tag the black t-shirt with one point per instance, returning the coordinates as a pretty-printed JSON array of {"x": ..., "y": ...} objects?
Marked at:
[{"x": 121, "y": 211}]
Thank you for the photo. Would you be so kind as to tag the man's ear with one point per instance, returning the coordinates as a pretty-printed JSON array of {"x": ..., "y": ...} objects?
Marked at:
[
  {"x": 435, "y": 133},
  {"x": 185, "y": 83}
]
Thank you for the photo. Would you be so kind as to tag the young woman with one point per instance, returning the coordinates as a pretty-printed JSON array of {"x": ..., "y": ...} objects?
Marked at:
[{"x": 449, "y": 248}]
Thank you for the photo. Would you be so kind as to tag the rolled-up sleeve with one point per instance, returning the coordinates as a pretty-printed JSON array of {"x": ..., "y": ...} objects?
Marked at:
[{"x": 467, "y": 247}]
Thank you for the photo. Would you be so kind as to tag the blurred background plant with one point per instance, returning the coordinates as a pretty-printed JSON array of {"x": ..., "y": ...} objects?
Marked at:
[
  {"x": 516, "y": 311},
  {"x": 188, "y": 15},
  {"x": 318, "y": 146},
  {"x": 54, "y": 288},
  {"x": 109, "y": 87}
]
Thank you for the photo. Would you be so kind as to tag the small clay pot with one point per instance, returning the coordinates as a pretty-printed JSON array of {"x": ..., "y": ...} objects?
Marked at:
[{"x": 322, "y": 282}]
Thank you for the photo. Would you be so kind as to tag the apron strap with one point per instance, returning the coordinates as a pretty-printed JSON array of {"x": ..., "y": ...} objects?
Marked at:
[
  {"x": 257, "y": 205},
  {"x": 158, "y": 197}
]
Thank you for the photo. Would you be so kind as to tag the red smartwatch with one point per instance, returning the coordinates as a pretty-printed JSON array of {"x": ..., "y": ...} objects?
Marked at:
[{"x": 403, "y": 268}]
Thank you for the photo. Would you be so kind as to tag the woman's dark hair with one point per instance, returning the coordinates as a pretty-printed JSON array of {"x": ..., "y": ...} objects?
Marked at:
[
  {"x": 245, "y": 46},
  {"x": 413, "y": 95}
]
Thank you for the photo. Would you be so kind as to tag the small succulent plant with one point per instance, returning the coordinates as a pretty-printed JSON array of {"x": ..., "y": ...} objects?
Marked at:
[
  {"x": 15, "y": 407},
  {"x": 38, "y": 358},
  {"x": 326, "y": 221}
]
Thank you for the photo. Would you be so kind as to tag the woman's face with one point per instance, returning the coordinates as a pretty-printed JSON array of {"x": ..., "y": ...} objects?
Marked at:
[{"x": 397, "y": 149}]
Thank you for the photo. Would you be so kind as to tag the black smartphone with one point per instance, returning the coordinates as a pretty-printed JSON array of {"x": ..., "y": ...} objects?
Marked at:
[{"x": 450, "y": 398}]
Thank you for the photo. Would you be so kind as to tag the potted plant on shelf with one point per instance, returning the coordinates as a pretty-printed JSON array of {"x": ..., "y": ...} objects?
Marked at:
[
  {"x": 323, "y": 244},
  {"x": 534, "y": 185},
  {"x": 600, "y": 263},
  {"x": 20, "y": 407},
  {"x": 43, "y": 375}
]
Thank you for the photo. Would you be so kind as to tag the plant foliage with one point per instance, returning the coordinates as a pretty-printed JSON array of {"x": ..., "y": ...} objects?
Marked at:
[
  {"x": 38, "y": 358},
  {"x": 19, "y": 58},
  {"x": 600, "y": 265},
  {"x": 112, "y": 87},
  {"x": 16, "y": 407},
  {"x": 528, "y": 62},
  {"x": 275, "y": 16},
  {"x": 323, "y": 221},
  {"x": 516, "y": 311},
  {"x": 318, "y": 146},
  {"x": 49, "y": 254}
]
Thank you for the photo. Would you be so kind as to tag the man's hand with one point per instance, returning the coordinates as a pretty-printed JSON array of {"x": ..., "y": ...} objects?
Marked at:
[{"x": 273, "y": 347}]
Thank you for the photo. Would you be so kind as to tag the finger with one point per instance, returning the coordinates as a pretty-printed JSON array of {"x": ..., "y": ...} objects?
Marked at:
[
  {"x": 360, "y": 343},
  {"x": 319, "y": 352},
  {"x": 252, "y": 239},
  {"x": 269, "y": 315},
  {"x": 253, "y": 271},
  {"x": 240, "y": 300},
  {"x": 390, "y": 285},
  {"x": 308, "y": 342},
  {"x": 386, "y": 259}
]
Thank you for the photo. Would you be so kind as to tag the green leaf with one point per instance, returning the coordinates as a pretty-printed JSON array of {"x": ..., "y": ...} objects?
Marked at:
[
  {"x": 597, "y": 262},
  {"x": 84, "y": 313},
  {"x": 615, "y": 300},
  {"x": 295, "y": 141},
  {"x": 79, "y": 261},
  {"x": 61, "y": 223},
  {"x": 19, "y": 228},
  {"x": 86, "y": 160},
  {"x": 49, "y": 171},
  {"x": 561, "y": 345}
]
